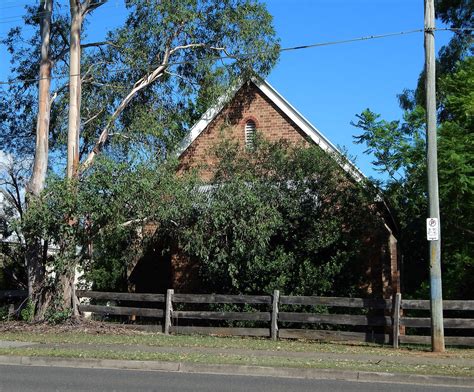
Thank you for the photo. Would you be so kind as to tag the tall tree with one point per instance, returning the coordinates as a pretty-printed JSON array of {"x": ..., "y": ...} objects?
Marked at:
[
  {"x": 171, "y": 60},
  {"x": 187, "y": 48},
  {"x": 35, "y": 253},
  {"x": 399, "y": 151},
  {"x": 40, "y": 166},
  {"x": 79, "y": 10}
]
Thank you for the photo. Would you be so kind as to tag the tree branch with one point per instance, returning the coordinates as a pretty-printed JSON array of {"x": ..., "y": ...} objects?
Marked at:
[
  {"x": 91, "y": 5},
  {"x": 181, "y": 77},
  {"x": 198, "y": 45},
  {"x": 186, "y": 47},
  {"x": 12, "y": 199},
  {"x": 101, "y": 43},
  {"x": 16, "y": 186},
  {"x": 65, "y": 50},
  {"x": 56, "y": 93},
  {"x": 90, "y": 69},
  {"x": 138, "y": 86},
  {"x": 464, "y": 228},
  {"x": 93, "y": 117}
]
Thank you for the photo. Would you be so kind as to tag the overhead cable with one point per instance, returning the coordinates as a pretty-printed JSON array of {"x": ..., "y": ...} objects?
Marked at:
[{"x": 246, "y": 55}]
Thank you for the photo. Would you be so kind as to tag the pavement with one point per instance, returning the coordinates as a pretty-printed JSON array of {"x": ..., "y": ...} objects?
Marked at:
[
  {"x": 46, "y": 379},
  {"x": 245, "y": 370}
]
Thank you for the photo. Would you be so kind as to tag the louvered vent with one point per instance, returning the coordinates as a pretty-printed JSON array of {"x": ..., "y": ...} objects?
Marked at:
[{"x": 250, "y": 129}]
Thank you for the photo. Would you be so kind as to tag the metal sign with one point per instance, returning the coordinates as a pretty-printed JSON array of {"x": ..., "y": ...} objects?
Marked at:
[{"x": 432, "y": 229}]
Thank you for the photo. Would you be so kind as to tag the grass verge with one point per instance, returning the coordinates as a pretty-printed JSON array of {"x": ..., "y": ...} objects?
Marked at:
[{"x": 82, "y": 345}]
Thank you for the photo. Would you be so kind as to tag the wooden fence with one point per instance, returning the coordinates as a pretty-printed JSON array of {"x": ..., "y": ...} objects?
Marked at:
[
  {"x": 279, "y": 316},
  {"x": 276, "y": 316},
  {"x": 452, "y": 321},
  {"x": 6, "y": 295}
]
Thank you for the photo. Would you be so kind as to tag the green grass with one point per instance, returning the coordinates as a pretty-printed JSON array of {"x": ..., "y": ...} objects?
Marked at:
[
  {"x": 83, "y": 347},
  {"x": 427, "y": 369},
  {"x": 160, "y": 340}
]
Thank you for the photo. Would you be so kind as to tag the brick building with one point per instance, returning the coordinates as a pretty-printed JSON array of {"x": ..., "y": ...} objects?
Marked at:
[{"x": 257, "y": 105}]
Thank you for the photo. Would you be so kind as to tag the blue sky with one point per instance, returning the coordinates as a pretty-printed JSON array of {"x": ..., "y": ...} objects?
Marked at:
[{"x": 328, "y": 85}]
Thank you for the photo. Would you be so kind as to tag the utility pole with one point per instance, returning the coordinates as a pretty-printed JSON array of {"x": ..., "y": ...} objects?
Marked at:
[{"x": 433, "y": 226}]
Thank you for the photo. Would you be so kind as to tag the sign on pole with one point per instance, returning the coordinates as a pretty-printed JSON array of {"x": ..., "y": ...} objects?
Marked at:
[{"x": 432, "y": 229}]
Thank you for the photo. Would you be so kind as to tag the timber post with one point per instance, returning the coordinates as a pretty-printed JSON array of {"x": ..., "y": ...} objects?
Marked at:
[
  {"x": 168, "y": 310},
  {"x": 274, "y": 326},
  {"x": 397, "y": 301}
]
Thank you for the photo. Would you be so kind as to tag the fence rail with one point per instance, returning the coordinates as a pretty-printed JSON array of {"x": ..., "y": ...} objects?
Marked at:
[
  {"x": 11, "y": 294},
  {"x": 337, "y": 302},
  {"x": 385, "y": 321},
  {"x": 422, "y": 304},
  {"x": 138, "y": 297}
]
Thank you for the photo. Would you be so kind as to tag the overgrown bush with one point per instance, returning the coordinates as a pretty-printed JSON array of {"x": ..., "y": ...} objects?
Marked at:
[{"x": 279, "y": 217}]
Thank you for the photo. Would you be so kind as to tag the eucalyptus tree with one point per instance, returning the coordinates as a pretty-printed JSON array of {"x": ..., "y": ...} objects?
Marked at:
[
  {"x": 186, "y": 53},
  {"x": 35, "y": 266},
  {"x": 34, "y": 98},
  {"x": 139, "y": 91}
]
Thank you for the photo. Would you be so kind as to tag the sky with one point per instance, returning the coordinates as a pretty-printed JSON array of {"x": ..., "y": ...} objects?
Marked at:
[{"x": 329, "y": 85}]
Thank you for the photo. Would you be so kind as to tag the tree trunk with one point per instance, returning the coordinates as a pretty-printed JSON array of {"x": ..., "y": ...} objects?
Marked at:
[
  {"x": 78, "y": 12},
  {"x": 74, "y": 89},
  {"x": 65, "y": 279},
  {"x": 35, "y": 255}
]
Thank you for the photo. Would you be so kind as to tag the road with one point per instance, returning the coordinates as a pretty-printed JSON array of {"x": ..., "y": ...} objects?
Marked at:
[{"x": 36, "y": 378}]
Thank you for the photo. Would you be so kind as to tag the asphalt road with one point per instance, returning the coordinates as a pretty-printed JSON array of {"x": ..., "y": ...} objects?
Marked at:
[{"x": 37, "y": 378}]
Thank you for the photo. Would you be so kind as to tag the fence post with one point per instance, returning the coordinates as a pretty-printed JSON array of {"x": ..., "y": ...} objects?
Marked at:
[
  {"x": 11, "y": 312},
  {"x": 168, "y": 310},
  {"x": 274, "y": 326},
  {"x": 396, "y": 319}
]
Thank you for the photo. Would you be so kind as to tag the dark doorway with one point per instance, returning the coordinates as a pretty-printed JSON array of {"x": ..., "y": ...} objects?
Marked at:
[{"x": 152, "y": 274}]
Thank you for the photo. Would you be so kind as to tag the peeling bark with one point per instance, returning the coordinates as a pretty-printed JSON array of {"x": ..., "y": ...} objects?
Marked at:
[
  {"x": 35, "y": 259},
  {"x": 74, "y": 89},
  {"x": 79, "y": 10}
]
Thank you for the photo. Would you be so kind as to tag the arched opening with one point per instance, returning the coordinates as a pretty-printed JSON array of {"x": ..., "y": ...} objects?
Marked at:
[{"x": 250, "y": 130}]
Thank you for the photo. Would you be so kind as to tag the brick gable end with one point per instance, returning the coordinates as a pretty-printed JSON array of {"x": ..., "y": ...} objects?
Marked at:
[{"x": 249, "y": 103}]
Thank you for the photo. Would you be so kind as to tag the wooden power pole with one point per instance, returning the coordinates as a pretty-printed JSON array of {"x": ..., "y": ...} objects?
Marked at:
[{"x": 432, "y": 223}]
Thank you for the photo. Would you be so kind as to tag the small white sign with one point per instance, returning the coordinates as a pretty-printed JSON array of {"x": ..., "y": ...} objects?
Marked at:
[{"x": 432, "y": 229}]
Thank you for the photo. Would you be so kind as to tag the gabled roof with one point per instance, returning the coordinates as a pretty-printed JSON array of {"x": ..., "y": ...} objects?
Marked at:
[{"x": 306, "y": 127}]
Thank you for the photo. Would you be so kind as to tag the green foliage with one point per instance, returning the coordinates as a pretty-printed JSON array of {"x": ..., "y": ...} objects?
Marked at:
[
  {"x": 109, "y": 209},
  {"x": 55, "y": 315},
  {"x": 199, "y": 31},
  {"x": 111, "y": 201},
  {"x": 12, "y": 271},
  {"x": 28, "y": 312},
  {"x": 279, "y": 217},
  {"x": 4, "y": 312},
  {"x": 459, "y": 13},
  {"x": 399, "y": 151}
]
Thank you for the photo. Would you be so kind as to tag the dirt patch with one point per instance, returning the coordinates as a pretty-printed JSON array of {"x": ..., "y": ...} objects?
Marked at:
[{"x": 72, "y": 325}]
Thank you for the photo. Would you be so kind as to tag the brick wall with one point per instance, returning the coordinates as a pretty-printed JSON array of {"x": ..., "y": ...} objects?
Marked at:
[
  {"x": 379, "y": 248},
  {"x": 248, "y": 104}
]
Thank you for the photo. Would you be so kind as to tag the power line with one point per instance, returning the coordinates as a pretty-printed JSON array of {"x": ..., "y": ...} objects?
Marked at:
[{"x": 250, "y": 54}]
